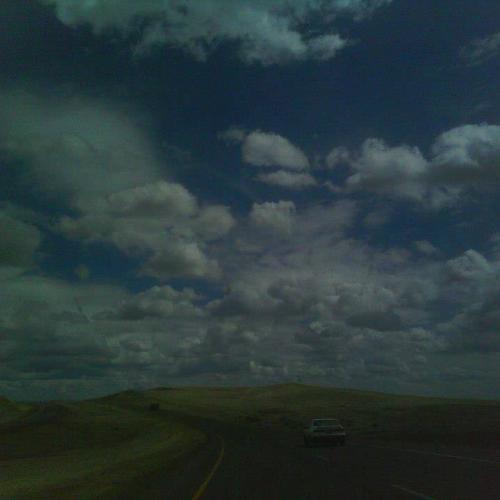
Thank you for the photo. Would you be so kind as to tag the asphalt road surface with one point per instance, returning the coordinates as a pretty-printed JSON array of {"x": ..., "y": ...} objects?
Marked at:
[{"x": 239, "y": 464}]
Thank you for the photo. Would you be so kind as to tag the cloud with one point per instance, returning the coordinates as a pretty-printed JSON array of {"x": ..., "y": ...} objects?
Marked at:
[
  {"x": 289, "y": 180},
  {"x": 476, "y": 328},
  {"x": 90, "y": 158},
  {"x": 468, "y": 155},
  {"x": 495, "y": 241},
  {"x": 167, "y": 249},
  {"x": 337, "y": 156},
  {"x": 159, "y": 302},
  {"x": 481, "y": 50},
  {"x": 463, "y": 158},
  {"x": 181, "y": 258},
  {"x": 159, "y": 223},
  {"x": 425, "y": 247},
  {"x": 384, "y": 321},
  {"x": 91, "y": 338},
  {"x": 376, "y": 218},
  {"x": 272, "y": 216},
  {"x": 213, "y": 222},
  {"x": 469, "y": 266},
  {"x": 264, "y": 149},
  {"x": 326, "y": 47},
  {"x": 321, "y": 305},
  {"x": 56, "y": 296},
  {"x": 269, "y": 32},
  {"x": 20, "y": 241},
  {"x": 69, "y": 145},
  {"x": 385, "y": 169},
  {"x": 158, "y": 199},
  {"x": 232, "y": 135}
]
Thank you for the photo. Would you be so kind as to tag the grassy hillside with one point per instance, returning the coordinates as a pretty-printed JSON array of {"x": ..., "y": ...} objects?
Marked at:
[
  {"x": 86, "y": 449},
  {"x": 365, "y": 414},
  {"x": 97, "y": 448},
  {"x": 10, "y": 410}
]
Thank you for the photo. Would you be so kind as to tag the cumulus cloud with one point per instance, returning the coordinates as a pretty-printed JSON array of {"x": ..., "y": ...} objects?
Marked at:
[
  {"x": 337, "y": 156},
  {"x": 169, "y": 251},
  {"x": 463, "y": 158},
  {"x": 289, "y": 180},
  {"x": 322, "y": 306},
  {"x": 469, "y": 266},
  {"x": 481, "y": 50},
  {"x": 269, "y": 32},
  {"x": 273, "y": 216},
  {"x": 160, "y": 223},
  {"x": 213, "y": 222},
  {"x": 92, "y": 338},
  {"x": 181, "y": 258},
  {"x": 264, "y": 149},
  {"x": 476, "y": 328},
  {"x": 159, "y": 302},
  {"x": 387, "y": 169},
  {"x": 468, "y": 155},
  {"x": 91, "y": 158},
  {"x": 154, "y": 200},
  {"x": 425, "y": 247}
]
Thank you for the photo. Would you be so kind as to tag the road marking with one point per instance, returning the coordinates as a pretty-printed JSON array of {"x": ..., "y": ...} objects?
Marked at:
[
  {"x": 203, "y": 487},
  {"x": 422, "y": 452},
  {"x": 412, "y": 492}
]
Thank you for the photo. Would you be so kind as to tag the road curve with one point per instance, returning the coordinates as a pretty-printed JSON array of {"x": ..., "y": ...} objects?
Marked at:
[{"x": 265, "y": 465}]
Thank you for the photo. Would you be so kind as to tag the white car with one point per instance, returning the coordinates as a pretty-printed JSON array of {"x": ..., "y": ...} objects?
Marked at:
[{"x": 324, "y": 430}]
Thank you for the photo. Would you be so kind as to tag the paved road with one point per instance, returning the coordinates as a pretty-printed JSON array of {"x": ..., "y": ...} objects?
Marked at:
[{"x": 259, "y": 465}]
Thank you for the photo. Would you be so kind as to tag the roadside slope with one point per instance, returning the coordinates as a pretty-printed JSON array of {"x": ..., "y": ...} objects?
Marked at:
[{"x": 88, "y": 449}]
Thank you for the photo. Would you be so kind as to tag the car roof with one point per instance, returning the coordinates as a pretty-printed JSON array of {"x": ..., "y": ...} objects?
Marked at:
[{"x": 329, "y": 419}]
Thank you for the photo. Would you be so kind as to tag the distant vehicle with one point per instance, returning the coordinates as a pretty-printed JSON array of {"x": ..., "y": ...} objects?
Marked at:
[{"x": 324, "y": 430}]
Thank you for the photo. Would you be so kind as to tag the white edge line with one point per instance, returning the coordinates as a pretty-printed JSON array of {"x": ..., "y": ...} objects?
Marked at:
[
  {"x": 422, "y": 452},
  {"x": 412, "y": 492}
]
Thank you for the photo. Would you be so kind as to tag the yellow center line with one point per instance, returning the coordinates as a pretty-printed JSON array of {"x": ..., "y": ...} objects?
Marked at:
[{"x": 203, "y": 487}]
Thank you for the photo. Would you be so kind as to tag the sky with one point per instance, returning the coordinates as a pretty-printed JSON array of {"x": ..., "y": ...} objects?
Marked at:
[{"x": 236, "y": 192}]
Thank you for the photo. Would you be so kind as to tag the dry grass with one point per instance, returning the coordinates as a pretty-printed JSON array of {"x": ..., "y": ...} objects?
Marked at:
[
  {"x": 365, "y": 414},
  {"x": 94, "y": 449},
  {"x": 87, "y": 449}
]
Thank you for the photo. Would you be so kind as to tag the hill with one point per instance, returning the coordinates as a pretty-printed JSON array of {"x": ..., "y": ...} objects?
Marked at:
[
  {"x": 85, "y": 449},
  {"x": 9, "y": 410},
  {"x": 365, "y": 414},
  {"x": 93, "y": 448}
]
